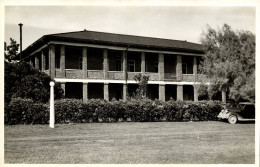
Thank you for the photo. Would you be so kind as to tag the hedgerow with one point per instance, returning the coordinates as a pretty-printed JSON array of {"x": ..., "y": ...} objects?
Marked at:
[{"x": 25, "y": 111}]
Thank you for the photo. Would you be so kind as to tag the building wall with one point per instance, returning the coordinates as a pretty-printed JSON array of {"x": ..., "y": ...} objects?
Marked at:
[{"x": 87, "y": 64}]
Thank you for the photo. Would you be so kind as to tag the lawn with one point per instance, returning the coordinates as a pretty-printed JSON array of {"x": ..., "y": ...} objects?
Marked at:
[{"x": 158, "y": 142}]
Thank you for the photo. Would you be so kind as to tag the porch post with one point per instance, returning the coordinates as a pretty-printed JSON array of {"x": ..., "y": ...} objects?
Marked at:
[
  {"x": 85, "y": 91},
  {"x": 124, "y": 91},
  {"x": 37, "y": 63},
  {"x": 63, "y": 86},
  {"x": 31, "y": 63},
  {"x": 196, "y": 96},
  {"x": 195, "y": 67},
  {"x": 161, "y": 66},
  {"x": 224, "y": 96},
  {"x": 62, "y": 61},
  {"x": 52, "y": 60},
  {"x": 124, "y": 56},
  {"x": 162, "y": 92},
  {"x": 43, "y": 61},
  {"x": 142, "y": 62},
  {"x": 180, "y": 92},
  {"x": 179, "y": 68},
  {"x": 105, "y": 64},
  {"x": 84, "y": 62},
  {"x": 106, "y": 91}
]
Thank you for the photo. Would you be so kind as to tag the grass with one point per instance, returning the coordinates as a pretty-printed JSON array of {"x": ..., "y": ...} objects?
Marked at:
[{"x": 160, "y": 142}]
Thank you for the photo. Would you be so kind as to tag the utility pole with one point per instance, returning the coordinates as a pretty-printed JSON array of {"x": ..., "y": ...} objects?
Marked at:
[{"x": 20, "y": 41}]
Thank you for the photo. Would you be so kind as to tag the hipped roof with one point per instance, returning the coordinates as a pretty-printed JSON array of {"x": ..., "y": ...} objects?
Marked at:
[{"x": 92, "y": 37}]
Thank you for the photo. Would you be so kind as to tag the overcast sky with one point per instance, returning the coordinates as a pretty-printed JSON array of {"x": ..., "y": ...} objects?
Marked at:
[{"x": 180, "y": 23}]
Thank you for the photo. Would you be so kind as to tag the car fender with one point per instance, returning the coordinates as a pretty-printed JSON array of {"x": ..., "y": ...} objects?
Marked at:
[{"x": 239, "y": 117}]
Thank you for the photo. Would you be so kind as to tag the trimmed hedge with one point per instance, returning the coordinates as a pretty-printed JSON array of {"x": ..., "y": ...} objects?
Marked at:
[{"x": 25, "y": 111}]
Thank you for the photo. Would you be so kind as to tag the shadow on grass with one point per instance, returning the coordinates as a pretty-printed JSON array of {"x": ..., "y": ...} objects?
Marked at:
[{"x": 246, "y": 122}]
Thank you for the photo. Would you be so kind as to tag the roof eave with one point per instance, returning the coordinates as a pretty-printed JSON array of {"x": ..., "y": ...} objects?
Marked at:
[{"x": 47, "y": 38}]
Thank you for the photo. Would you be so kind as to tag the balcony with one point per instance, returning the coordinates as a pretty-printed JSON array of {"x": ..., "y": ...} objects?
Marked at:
[
  {"x": 132, "y": 74},
  {"x": 170, "y": 76},
  {"x": 188, "y": 77},
  {"x": 153, "y": 76},
  {"x": 73, "y": 73},
  {"x": 95, "y": 74},
  {"x": 116, "y": 75}
]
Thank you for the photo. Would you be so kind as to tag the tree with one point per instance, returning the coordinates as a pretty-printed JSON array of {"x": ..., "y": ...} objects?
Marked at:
[
  {"x": 142, "y": 81},
  {"x": 229, "y": 62},
  {"x": 22, "y": 80},
  {"x": 11, "y": 50}
]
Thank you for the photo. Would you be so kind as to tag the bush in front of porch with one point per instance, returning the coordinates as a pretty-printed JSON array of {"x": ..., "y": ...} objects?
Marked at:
[{"x": 25, "y": 111}]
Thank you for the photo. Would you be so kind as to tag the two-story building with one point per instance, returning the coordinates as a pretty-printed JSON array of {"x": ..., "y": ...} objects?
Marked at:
[{"x": 102, "y": 65}]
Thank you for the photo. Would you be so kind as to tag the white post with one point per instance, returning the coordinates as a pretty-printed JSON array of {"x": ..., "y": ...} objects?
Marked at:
[{"x": 52, "y": 117}]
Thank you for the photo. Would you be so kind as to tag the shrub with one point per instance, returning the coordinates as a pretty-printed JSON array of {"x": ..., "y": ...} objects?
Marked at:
[
  {"x": 25, "y": 111},
  {"x": 68, "y": 110},
  {"x": 22, "y": 80}
]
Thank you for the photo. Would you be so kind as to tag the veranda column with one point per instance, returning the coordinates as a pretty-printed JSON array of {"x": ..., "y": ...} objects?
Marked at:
[
  {"x": 62, "y": 61},
  {"x": 224, "y": 96},
  {"x": 195, "y": 67},
  {"x": 161, "y": 66},
  {"x": 43, "y": 61},
  {"x": 124, "y": 91},
  {"x": 162, "y": 92},
  {"x": 196, "y": 96},
  {"x": 63, "y": 86},
  {"x": 105, "y": 64},
  {"x": 143, "y": 62},
  {"x": 125, "y": 86},
  {"x": 106, "y": 91},
  {"x": 124, "y": 56},
  {"x": 52, "y": 61},
  {"x": 37, "y": 62},
  {"x": 179, "y": 68},
  {"x": 31, "y": 63},
  {"x": 84, "y": 62},
  {"x": 85, "y": 91},
  {"x": 180, "y": 92}
]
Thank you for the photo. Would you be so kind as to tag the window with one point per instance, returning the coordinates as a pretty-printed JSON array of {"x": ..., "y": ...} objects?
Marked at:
[
  {"x": 47, "y": 61},
  {"x": 131, "y": 66},
  {"x": 118, "y": 64},
  {"x": 73, "y": 58},
  {"x": 187, "y": 64},
  {"x": 156, "y": 66},
  {"x": 80, "y": 62},
  {"x": 95, "y": 59},
  {"x": 57, "y": 61},
  {"x": 184, "y": 68}
]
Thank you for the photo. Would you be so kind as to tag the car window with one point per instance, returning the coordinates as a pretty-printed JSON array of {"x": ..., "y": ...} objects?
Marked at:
[{"x": 249, "y": 108}]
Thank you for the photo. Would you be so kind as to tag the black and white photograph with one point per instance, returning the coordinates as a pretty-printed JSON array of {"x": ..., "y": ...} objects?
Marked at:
[{"x": 129, "y": 83}]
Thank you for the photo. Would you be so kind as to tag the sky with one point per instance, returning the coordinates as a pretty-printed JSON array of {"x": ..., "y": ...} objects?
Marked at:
[{"x": 170, "y": 22}]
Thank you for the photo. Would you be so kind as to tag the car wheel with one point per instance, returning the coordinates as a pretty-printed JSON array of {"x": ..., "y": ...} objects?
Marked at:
[{"x": 232, "y": 119}]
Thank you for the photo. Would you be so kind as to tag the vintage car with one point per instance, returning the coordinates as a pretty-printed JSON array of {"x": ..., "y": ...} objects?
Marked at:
[{"x": 244, "y": 111}]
